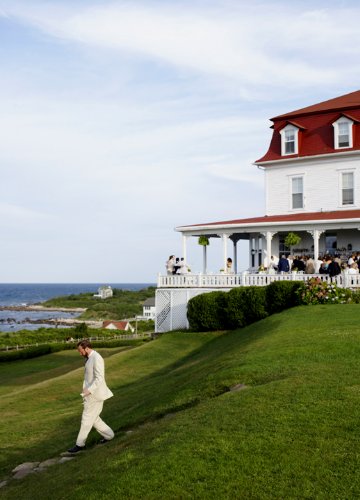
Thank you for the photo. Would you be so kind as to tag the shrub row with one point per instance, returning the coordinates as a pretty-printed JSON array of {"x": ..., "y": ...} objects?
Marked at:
[
  {"x": 241, "y": 306},
  {"x": 41, "y": 350}
]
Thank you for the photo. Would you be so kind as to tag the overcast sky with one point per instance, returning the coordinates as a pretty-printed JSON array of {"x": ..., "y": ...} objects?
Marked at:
[{"x": 120, "y": 120}]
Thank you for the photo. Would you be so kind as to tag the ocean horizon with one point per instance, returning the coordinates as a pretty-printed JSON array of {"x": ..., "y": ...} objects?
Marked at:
[{"x": 18, "y": 294}]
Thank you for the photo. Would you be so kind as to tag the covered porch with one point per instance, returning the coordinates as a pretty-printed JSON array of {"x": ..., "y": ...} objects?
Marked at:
[{"x": 322, "y": 233}]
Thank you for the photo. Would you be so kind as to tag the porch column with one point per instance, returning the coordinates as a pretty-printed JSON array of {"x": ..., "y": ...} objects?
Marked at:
[
  {"x": 184, "y": 247},
  {"x": 268, "y": 235},
  {"x": 316, "y": 233},
  {"x": 251, "y": 252},
  {"x": 225, "y": 249},
  {"x": 204, "y": 260},
  {"x": 235, "y": 238},
  {"x": 257, "y": 251}
]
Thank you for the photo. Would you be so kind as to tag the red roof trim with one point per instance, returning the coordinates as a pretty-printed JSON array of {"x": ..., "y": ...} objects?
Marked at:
[
  {"x": 291, "y": 122},
  {"x": 349, "y": 116},
  {"x": 298, "y": 217}
]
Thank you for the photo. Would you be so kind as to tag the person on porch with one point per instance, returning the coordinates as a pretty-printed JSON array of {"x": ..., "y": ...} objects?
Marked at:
[
  {"x": 170, "y": 265},
  {"x": 309, "y": 266},
  {"x": 333, "y": 268},
  {"x": 283, "y": 265},
  {"x": 228, "y": 265}
]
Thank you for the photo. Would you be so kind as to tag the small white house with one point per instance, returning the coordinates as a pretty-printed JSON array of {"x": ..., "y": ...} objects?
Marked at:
[
  {"x": 104, "y": 292},
  {"x": 149, "y": 309}
]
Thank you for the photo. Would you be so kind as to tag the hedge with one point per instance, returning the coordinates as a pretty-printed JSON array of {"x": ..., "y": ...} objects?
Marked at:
[
  {"x": 281, "y": 295},
  {"x": 207, "y": 311},
  {"x": 41, "y": 350},
  {"x": 241, "y": 306},
  {"x": 244, "y": 306}
]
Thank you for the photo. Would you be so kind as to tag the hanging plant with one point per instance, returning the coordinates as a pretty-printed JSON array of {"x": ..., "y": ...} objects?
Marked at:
[
  {"x": 292, "y": 239},
  {"x": 204, "y": 241}
]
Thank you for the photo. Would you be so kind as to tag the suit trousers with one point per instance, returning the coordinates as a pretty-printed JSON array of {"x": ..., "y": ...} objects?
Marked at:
[{"x": 91, "y": 418}]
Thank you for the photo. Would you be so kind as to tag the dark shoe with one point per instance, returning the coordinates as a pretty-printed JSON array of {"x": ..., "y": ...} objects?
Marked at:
[
  {"x": 76, "y": 448},
  {"x": 104, "y": 441}
]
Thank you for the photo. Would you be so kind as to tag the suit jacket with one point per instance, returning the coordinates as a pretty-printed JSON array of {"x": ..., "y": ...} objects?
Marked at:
[{"x": 94, "y": 378}]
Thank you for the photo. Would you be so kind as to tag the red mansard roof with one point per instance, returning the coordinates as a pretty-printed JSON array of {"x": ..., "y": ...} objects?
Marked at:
[
  {"x": 316, "y": 136},
  {"x": 298, "y": 217}
]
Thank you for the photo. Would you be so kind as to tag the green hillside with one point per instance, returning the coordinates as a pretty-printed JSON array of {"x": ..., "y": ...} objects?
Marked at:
[
  {"x": 292, "y": 432},
  {"x": 123, "y": 304}
]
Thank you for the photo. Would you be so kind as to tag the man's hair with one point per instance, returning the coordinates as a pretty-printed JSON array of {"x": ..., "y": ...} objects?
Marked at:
[{"x": 84, "y": 344}]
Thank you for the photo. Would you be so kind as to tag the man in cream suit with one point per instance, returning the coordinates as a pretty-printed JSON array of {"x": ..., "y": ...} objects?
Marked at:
[{"x": 95, "y": 392}]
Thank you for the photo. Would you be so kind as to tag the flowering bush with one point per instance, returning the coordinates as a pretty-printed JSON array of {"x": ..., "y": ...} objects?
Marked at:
[{"x": 321, "y": 292}]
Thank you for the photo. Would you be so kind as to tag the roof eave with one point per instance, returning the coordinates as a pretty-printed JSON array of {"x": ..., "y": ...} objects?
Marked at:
[
  {"x": 247, "y": 225},
  {"x": 353, "y": 152}
]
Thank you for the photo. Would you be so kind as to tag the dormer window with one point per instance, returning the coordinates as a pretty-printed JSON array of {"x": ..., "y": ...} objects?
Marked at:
[
  {"x": 343, "y": 133},
  {"x": 289, "y": 140}
]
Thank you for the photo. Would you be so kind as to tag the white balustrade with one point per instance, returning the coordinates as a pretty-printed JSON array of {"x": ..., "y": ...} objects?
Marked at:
[{"x": 246, "y": 279}]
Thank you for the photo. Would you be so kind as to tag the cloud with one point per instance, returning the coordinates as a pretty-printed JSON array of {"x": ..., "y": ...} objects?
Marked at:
[{"x": 263, "y": 44}]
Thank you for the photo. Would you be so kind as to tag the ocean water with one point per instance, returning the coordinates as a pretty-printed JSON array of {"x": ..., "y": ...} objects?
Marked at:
[
  {"x": 14, "y": 294},
  {"x": 27, "y": 294}
]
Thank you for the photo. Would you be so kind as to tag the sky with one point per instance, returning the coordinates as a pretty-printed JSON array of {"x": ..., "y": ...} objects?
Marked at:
[{"x": 120, "y": 120}]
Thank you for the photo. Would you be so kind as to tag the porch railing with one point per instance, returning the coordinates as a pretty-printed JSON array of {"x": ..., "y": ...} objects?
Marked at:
[{"x": 233, "y": 280}]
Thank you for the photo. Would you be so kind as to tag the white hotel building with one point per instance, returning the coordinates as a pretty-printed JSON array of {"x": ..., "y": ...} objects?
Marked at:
[{"x": 312, "y": 188}]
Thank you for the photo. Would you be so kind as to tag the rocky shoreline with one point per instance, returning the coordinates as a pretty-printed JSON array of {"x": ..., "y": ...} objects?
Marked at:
[
  {"x": 54, "y": 321},
  {"x": 39, "y": 308}
]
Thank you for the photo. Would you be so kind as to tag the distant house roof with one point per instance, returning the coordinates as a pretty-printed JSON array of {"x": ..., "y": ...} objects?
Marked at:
[
  {"x": 149, "y": 302},
  {"x": 120, "y": 325},
  {"x": 298, "y": 217}
]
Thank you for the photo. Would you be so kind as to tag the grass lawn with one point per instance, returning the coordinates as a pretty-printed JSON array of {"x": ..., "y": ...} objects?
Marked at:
[
  {"x": 16, "y": 376},
  {"x": 292, "y": 432}
]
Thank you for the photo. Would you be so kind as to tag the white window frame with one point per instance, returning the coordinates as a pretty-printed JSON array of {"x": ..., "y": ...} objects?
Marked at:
[
  {"x": 291, "y": 179},
  {"x": 341, "y": 183},
  {"x": 295, "y": 130},
  {"x": 336, "y": 124}
]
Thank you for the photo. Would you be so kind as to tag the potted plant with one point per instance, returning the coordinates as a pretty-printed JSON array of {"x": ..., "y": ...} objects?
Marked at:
[
  {"x": 261, "y": 269},
  {"x": 291, "y": 240},
  {"x": 204, "y": 242}
]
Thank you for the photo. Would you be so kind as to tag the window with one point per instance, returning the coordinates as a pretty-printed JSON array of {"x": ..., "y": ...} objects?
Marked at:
[
  {"x": 289, "y": 140},
  {"x": 347, "y": 188},
  {"x": 297, "y": 192},
  {"x": 343, "y": 136}
]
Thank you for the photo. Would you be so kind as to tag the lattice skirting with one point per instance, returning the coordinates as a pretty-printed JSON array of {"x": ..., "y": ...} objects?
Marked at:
[{"x": 171, "y": 307}]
